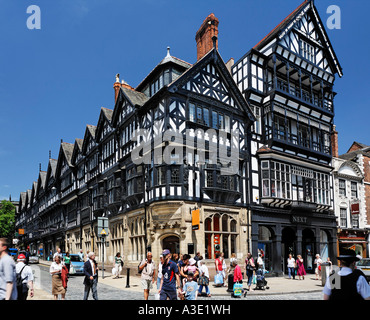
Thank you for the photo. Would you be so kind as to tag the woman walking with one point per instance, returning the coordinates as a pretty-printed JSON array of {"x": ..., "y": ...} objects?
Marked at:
[
  {"x": 56, "y": 273},
  {"x": 301, "y": 272},
  {"x": 249, "y": 268},
  {"x": 118, "y": 264}
]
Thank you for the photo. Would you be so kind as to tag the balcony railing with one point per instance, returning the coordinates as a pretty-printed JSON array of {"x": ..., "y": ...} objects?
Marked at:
[
  {"x": 293, "y": 90},
  {"x": 296, "y": 139}
]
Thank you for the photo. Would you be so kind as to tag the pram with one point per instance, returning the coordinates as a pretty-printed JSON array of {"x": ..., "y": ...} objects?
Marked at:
[{"x": 261, "y": 283}]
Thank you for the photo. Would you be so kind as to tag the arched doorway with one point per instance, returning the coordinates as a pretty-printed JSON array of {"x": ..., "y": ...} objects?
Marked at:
[
  {"x": 171, "y": 243},
  {"x": 288, "y": 246},
  {"x": 308, "y": 244}
]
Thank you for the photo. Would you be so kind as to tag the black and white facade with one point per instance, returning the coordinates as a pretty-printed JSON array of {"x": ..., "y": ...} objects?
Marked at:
[{"x": 288, "y": 80}]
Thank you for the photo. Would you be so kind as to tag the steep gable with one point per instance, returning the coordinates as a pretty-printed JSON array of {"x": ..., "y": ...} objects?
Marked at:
[
  {"x": 209, "y": 77},
  {"x": 303, "y": 34}
]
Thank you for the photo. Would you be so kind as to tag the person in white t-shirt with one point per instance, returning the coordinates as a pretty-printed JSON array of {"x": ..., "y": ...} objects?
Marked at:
[{"x": 291, "y": 267}]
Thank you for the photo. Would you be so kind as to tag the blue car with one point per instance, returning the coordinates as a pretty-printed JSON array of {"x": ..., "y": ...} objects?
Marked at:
[{"x": 77, "y": 263}]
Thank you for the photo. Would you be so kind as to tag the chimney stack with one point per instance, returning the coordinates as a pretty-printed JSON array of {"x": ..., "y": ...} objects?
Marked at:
[
  {"x": 205, "y": 34},
  {"x": 334, "y": 142},
  {"x": 117, "y": 85}
]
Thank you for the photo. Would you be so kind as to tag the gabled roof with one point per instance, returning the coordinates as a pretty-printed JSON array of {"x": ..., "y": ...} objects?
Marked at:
[
  {"x": 214, "y": 57},
  {"x": 41, "y": 182},
  {"x": 22, "y": 200},
  {"x": 281, "y": 26},
  {"x": 133, "y": 97},
  {"x": 52, "y": 167},
  {"x": 77, "y": 148},
  {"x": 89, "y": 133},
  {"x": 168, "y": 59},
  {"x": 287, "y": 23},
  {"x": 65, "y": 152},
  {"x": 105, "y": 115},
  {"x": 34, "y": 189}
]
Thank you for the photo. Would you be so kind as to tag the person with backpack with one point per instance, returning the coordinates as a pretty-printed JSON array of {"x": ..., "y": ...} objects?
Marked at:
[{"x": 24, "y": 278}]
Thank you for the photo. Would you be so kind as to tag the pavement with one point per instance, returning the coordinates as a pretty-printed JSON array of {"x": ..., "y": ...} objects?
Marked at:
[{"x": 277, "y": 285}]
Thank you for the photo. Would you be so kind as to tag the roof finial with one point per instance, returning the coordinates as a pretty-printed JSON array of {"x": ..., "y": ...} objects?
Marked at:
[
  {"x": 168, "y": 52},
  {"x": 117, "y": 77}
]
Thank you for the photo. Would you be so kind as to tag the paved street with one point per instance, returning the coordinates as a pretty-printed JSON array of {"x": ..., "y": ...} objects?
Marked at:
[{"x": 115, "y": 289}]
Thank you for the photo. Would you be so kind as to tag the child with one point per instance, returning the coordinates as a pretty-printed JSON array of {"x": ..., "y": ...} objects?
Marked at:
[
  {"x": 190, "y": 289},
  {"x": 191, "y": 268}
]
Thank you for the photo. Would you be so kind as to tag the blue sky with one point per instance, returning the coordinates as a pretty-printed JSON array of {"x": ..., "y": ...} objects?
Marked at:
[{"x": 53, "y": 81}]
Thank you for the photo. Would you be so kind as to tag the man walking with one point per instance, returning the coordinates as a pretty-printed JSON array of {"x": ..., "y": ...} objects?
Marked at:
[
  {"x": 147, "y": 268},
  {"x": 350, "y": 283},
  {"x": 91, "y": 277},
  {"x": 8, "y": 288},
  {"x": 170, "y": 278},
  {"x": 26, "y": 275}
]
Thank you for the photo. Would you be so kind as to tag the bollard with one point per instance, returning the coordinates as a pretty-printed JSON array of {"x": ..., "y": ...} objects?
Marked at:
[{"x": 128, "y": 278}]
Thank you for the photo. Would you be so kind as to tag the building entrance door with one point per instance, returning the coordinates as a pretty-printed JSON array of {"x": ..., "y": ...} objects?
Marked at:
[
  {"x": 308, "y": 245},
  {"x": 171, "y": 243}
]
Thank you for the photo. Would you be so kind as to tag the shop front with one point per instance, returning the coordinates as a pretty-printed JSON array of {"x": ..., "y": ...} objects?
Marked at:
[
  {"x": 353, "y": 239},
  {"x": 278, "y": 233}
]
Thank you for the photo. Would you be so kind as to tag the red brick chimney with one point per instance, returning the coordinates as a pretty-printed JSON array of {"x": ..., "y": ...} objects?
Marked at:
[
  {"x": 334, "y": 142},
  {"x": 204, "y": 35},
  {"x": 117, "y": 85}
]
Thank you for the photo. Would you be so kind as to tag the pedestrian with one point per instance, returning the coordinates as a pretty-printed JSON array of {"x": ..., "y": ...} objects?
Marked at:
[
  {"x": 81, "y": 255},
  {"x": 192, "y": 267},
  {"x": 190, "y": 289},
  {"x": 91, "y": 277},
  {"x": 301, "y": 272},
  {"x": 218, "y": 269},
  {"x": 224, "y": 269},
  {"x": 147, "y": 268},
  {"x": 328, "y": 261},
  {"x": 26, "y": 275},
  {"x": 58, "y": 253},
  {"x": 67, "y": 261},
  {"x": 203, "y": 280},
  {"x": 118, "y": 264},
  {"x": 182, "y": 266},
  {"x": 159, "y": 273},
  {"x": 351, "y": 284},
  {"x": 170, "y": 280},
  {"x": 318, "y": 263},
  {"x": 249, "y": 268},
  {"x": 56, "y": 274},
  {"x": 238, "y": 277},
  {"x": 8, "y": 288},
  {"x": 291, "y": 267},
  {"x": 196, "y": 257},
  {"x": 175, "y": 258}
]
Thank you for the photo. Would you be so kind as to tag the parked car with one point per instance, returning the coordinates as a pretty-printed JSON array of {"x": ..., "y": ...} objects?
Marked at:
[
  {"x": 77, "y": 263},
  {"x": 364, "y": 266},
  {"x": 33, "y": 258}
]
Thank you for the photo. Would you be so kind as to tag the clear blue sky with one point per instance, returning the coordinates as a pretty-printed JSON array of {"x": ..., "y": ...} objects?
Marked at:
[{"x": 53, "y": 81}]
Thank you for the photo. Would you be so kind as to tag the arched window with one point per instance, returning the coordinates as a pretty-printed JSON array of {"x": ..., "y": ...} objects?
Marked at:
[{"x": 222, "y": 237}]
